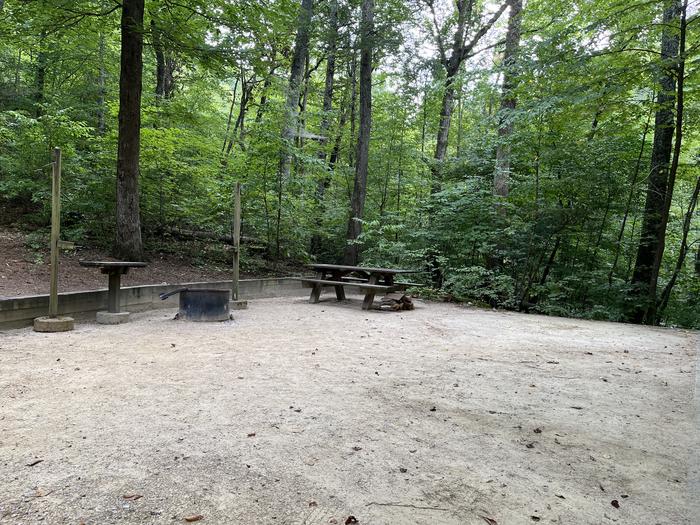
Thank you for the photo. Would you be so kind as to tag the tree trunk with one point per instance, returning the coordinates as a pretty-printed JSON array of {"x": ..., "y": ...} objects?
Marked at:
[
  {"x": 238, "y": 134},
  {"x": 659, "y": 190},
  {"x": 666, "y": 294},
  {"x": 357, "y": 204},
  {"x": 266, "y": 86},
  {"x": 128, "y": 240},
  {"x": 40, "y": 75},
  {"x": 101, "y": 86},
  {"x": 460, "y": 50},
  {"x": 325, "y": 119},
  {"x": 230, "y": 115},
  {"x": 291, "y": 116},
  {"x": 18, "y": 66},
  {"x": 353, "y": 109},
  {"x": 330, "y": 74},
  {"x": 508, "y": 102},
  {"x": 165, "y": 65},
  {"x": 289, "y": 128},
  {"x": 633, "y": 185},
  {"x": 348, "y": 93},
  {"x": 443, "y": 134}
]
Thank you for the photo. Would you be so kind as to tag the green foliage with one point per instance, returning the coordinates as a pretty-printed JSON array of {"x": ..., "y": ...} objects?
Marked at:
[{"x": 579, "y": 151}]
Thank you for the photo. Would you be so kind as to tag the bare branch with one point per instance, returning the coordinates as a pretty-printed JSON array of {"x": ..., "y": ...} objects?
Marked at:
[{"x": 482, "y": 31}]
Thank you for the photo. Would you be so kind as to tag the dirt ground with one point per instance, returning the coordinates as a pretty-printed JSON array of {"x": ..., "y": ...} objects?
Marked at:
[
  {"x": 24, "y": 271},
  {"x": 298, "y": 413}
]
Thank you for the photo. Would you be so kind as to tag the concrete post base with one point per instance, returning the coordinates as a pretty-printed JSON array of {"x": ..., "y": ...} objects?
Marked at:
[
  {"x": 238, "y": 305},
  {"x": 112, "y": 317},
  {"x": 53, "y": 324}
]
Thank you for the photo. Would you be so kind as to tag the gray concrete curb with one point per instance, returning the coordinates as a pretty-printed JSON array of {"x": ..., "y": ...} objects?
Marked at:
[{"x": 18, "y": 312}]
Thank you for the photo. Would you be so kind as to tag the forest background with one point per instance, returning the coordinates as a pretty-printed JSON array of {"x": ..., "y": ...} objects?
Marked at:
[{"x": 536, "y": 155}]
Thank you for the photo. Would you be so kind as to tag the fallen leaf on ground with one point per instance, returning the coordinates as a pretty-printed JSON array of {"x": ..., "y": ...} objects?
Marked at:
[
  {"x": 132, "y": 497},
  {"x": 197, "y": 517}
]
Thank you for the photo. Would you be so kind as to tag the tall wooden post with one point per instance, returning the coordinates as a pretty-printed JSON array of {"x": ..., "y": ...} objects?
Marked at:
[
  {"x": 54, "y": 323},
  {"x": 55, "y": 230},
  {"x": 236, "y": 240}
]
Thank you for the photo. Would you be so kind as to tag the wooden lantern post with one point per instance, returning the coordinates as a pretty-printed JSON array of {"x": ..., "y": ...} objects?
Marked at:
[
  {"x": 236, "y": 302},
  {"x": 55, "y": 230},
  {"x": 54, "y": 322}
]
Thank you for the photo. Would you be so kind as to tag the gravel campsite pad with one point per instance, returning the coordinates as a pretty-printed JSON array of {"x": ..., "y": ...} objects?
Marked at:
[{"x": 297, "y": 413}]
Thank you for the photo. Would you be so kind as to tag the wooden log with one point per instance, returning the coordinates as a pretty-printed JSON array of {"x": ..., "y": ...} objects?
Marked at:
[{"x": 396, "y": 301}]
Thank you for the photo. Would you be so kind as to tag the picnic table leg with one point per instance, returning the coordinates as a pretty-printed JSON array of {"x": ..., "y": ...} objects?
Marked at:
[
  {"x": 317, "y": 289},
  {"x": 339, "y": 289},
  {"x": 369, "y": 295},
  {"x": 315, "y": 293},
  {"x": 113, "y": 292}
]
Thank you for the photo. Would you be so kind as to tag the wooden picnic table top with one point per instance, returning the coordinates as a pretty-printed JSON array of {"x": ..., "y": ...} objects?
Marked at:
[
  {"x": 346, "y": 268},
  {"x": 112, "y": 264}
]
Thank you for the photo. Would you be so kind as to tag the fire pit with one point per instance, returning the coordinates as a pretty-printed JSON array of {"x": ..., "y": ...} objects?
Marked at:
[{"x": 201, "y": 304}]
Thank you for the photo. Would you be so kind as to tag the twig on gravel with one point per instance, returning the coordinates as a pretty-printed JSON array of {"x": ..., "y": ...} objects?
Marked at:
[{"x": 408, "y": 505}]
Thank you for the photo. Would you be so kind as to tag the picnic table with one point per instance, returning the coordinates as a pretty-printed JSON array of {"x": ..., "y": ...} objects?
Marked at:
[
  {"x": 114, "y": 271},
  {"x": 368, "y": 280}
]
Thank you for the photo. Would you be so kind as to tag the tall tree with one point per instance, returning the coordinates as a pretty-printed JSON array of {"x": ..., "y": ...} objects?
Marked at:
[
  {"x": 291, "y": 108},
  {"x": 128, "y": 240},
  {"x": 330, "y": 72},
  {"x": 165, "y": 63},
  {"x": 660, "y": 187},
  {"x": 508, "y": 100},
  {"x": 296, "y": 76},
  {"x": 357, "y": 202},
  {"x": 459, "y": 51},
  {"x": 328, "y": 89}
]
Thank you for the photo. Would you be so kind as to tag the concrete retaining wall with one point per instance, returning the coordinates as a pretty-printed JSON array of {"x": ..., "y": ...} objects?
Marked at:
[{"x": 17, "y": 312}]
